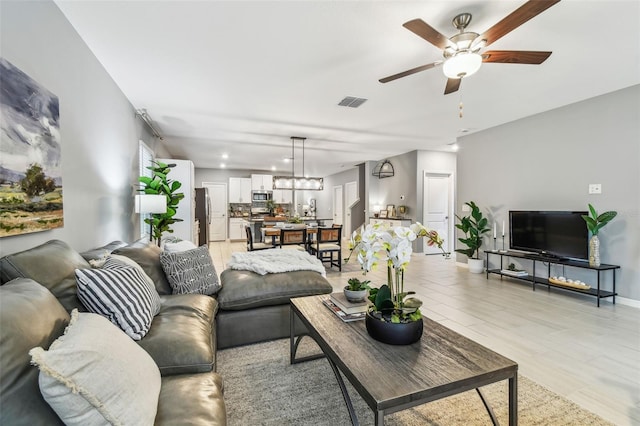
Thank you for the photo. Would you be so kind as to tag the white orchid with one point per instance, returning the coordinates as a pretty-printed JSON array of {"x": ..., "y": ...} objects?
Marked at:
[{"x": 373, "y": 242}]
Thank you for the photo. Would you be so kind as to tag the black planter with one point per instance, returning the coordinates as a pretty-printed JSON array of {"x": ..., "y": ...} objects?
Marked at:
[{"x": 393, "y": 334}]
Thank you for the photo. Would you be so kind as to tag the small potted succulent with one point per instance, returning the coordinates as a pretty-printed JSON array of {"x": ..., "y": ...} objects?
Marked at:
[{"x": 356, "y": 290}]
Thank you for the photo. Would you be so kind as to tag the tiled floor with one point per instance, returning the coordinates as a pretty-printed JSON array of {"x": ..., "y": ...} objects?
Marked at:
[{"x": 559, "y": 339}]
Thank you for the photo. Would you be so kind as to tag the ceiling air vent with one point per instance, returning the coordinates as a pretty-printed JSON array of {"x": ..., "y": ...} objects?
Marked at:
[{"x": 352, "y": 102}]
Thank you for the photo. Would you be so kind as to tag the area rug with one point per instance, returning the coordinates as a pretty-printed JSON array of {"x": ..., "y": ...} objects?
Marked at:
[{"x": 262, "y": 388}]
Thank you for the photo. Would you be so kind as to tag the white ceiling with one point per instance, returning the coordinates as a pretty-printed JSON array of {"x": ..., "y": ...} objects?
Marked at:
[{"x": 240, "y": 78}]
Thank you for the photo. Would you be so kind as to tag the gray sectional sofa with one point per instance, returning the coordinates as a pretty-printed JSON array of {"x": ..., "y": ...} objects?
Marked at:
[{"x": 39, "y": 292}]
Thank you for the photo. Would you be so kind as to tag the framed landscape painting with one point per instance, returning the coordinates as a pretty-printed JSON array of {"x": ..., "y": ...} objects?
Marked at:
[{"x": 30, "y": 155}]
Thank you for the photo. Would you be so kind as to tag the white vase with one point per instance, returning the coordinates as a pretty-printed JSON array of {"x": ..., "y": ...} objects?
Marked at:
[
  {"x": 594, "y": 251},
  {"x": 476, "y": 266}
]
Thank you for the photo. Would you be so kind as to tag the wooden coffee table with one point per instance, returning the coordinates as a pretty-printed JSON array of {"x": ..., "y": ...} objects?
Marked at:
[{"x": 441, "y": 364}]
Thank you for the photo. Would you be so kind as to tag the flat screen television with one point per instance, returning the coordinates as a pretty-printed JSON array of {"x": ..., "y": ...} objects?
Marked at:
[{"x": 560, "y": 234}]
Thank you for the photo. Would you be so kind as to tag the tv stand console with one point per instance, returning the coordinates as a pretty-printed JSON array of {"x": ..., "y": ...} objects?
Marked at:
[{"x": 597, "y": 292}]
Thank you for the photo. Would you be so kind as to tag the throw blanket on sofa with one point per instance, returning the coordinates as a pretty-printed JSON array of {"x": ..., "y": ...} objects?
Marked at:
[{"x": 274, "y": 261}]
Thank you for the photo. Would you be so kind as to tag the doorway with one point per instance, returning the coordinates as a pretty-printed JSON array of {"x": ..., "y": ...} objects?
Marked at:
[
  {"x": 437, "y": 208},
  {"x": 338, "y": 211},
  {"x": 218, "y": 197}
]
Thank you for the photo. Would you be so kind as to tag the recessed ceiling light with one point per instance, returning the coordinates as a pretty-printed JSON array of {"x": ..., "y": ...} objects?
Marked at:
[
  {"x": 222, "y": 165},
  {"x": 273, "y": 168},
  {"x": 287, "y": 159},
  {"x": 225, "y": 156},
  {"x": 454, "y": 147}
]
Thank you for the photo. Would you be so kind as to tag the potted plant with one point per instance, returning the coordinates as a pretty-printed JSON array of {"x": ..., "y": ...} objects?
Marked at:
[
  {"x": 159, "y": 184},
  {"x": 356, "y": 290},
  {"x": 595, "y": 223},
  {"x": 473, "y": 226},
  {"x": 393, "y": 317},
  {"x": 271, "y": 206}
]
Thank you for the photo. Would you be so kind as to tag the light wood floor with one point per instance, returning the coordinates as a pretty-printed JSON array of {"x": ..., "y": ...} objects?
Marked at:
[{"x": 559, "y": 339}]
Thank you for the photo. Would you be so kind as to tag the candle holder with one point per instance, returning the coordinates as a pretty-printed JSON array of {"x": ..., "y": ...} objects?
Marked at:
[
  {"x": 494, "y": 244},
  {"x": 503, "y": 250}
]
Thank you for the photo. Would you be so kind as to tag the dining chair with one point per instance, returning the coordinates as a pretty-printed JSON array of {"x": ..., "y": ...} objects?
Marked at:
[
  {"x": 251, "y": 246},
  {"x": 295, "y": 238},
  {"x": 328, "y": 246}
]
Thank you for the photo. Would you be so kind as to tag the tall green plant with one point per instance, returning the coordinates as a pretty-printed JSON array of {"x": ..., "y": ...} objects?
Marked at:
[
  {"x": 160, "y": 184},
  {"x": 473, "y": 227},
  {"x": 595, "y": 222}
]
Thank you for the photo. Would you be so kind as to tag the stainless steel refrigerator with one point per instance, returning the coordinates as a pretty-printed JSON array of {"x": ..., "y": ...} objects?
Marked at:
[{"x": 203, "y": 215}]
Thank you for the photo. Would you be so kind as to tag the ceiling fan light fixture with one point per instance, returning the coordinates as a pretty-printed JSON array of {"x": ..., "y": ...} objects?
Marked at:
[{"x": 463, "y": 64}]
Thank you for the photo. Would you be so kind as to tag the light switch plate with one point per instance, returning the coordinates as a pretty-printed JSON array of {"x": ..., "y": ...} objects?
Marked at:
[{"x": 595, "y": 188}]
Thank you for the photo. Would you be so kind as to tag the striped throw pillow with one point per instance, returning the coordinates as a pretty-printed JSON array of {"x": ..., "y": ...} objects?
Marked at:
[{"x": 122, "y": 295}]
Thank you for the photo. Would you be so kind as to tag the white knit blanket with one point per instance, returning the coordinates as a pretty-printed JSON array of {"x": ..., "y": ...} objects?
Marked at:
[{"x": 274, "y": 261}]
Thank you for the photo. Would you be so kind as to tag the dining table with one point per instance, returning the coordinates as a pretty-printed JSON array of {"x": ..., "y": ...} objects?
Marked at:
[{"x": 274, "y": 231}]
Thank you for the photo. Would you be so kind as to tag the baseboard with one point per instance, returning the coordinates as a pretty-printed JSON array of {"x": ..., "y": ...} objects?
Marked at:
[{"x": 623, "y": 301}]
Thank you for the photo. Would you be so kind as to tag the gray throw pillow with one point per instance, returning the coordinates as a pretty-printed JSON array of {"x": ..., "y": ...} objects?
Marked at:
[{"x": 191, "y": 271}]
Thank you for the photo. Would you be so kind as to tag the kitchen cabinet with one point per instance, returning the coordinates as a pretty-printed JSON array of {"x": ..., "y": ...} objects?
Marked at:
[
  {"x": 390, "y": 222},
  {"x": 262, "y": 182},
  {"x": 282, "y": 196},
  {"x": 239, "y": 190},
  {"x": 236, "y": 229}
]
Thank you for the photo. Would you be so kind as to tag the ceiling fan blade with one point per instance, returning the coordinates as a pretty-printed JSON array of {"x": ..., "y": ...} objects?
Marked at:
[
  {"x": 427, "y": 32},
  {"x": 453, "y": 84},
  {"x": 516, "y": 18},
  {"x": 409, "y": 72},
  {"x": 515, "y": 56}
]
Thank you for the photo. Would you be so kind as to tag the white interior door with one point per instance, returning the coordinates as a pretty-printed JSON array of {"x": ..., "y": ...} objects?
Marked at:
[
  {"x": 437, "y": 208},
  {"x": 218, "y": 197},
  {"x": 338, "y": 210}
]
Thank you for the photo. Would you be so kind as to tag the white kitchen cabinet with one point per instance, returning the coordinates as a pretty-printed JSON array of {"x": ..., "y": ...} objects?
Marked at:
[
  {"x": 282, "y": 196},
  {"x": 236, "y": 229},
  {"x": 184, "y": 173},
  {"x": 262, "y": 182},
  {"x": 239, "y": 190},
  {"x": 390, "y": 222}
]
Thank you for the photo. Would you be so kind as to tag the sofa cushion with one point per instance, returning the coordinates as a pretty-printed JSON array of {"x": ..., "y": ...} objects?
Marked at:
[
  {"x": 246, "y": 289},
  {"x": 194, "y": 399},
  {"x": 190, "y": 271},
  {"x": 29, "y": 316},
  {"x": 51, "y": 264},
  {"x": 182, "y": 338},
  {"x": 95, "y": 374},
  {"x": 122, "y": 295},
  {"x": 102, "y": 252},
  {"x": 115, "y": 260},
  {"x": 148, "y": 257}
]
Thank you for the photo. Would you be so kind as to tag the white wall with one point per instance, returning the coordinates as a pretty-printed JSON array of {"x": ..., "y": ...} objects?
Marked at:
[
  {"x": 547, "y": 161},
  {"x": 98, "y": 128}
]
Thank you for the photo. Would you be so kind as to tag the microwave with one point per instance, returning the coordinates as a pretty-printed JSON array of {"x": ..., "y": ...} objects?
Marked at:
[{"x": 261, "y": 195}]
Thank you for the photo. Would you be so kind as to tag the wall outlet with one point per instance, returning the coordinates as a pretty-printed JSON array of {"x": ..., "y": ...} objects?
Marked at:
[
  {"x": 466, "y": 208},
  {"x": 595, "y": 188}
]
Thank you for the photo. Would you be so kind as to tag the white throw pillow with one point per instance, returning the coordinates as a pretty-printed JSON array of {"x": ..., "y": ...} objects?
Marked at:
[
  {"x": 176, "y": 247},
  {"x": 95, "y": 375},
  {"x": 122, "y": 295}
]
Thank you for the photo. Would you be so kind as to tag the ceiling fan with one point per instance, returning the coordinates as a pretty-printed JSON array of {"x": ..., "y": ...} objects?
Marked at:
[{"x": 461, "y": 52}]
